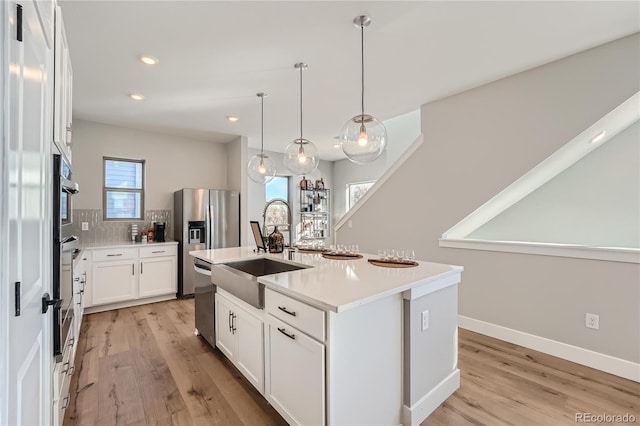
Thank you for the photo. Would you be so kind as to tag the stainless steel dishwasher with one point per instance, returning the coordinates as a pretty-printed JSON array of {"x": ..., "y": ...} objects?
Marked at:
[{"x": 205, "y": 305}]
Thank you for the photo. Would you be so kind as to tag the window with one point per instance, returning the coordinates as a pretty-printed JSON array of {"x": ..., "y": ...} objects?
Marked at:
[
  {"x": 123, "y": 193},
  {"x": 355, "y": 191},
  {"x": 277, "y": 214},
  {"x": 278, "y": 187}
]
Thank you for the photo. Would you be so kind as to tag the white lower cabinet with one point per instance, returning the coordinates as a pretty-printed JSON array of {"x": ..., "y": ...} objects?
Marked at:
[
  {"x": 240, "y": 336},
  {"x": 126, "y": 274},
  {"x": 295, "y": 375},
  {"x": 157, "y": 276},
  {"x": 113, "y": 281}
]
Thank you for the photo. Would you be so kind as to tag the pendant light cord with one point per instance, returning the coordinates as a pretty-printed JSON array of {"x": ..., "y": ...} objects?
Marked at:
[
  {"x": 301, "y": 68},
  {"x": 362, "y": 68},
  {"x": 262, "y": 127}
]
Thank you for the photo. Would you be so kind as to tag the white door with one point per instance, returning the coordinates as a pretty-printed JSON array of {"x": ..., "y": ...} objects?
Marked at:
[
  {"x": 226, "y": 339},
  {"x": 157, "y": 276},
  {"x": 250, "y": 352},
  {"x": 25, "y": 215},
  {"x": 113, "y": 281}
]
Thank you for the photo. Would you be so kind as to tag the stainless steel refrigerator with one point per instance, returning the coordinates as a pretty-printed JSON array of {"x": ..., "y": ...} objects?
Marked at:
[{"x": 204, "y": 219}]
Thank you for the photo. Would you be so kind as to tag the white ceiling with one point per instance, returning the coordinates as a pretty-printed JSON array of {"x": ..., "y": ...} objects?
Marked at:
[{"x": 215, "y": 56}]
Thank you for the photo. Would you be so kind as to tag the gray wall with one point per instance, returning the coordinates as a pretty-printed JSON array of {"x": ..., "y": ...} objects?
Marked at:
[
  {"x": 401, "y": 132},
  {"x": 171, "y": 162},
  {"x": 595, "y": 202},
  {"x": 477, "y": 143}
]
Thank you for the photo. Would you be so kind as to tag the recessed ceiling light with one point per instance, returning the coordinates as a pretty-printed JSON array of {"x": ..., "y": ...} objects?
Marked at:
[
  {"x": 336, "y": 145},
  {"x": 597, "y": 138},
  {"x": 149, "y": 60},
  {"x": 232, "y": 118},
  {"x": 136, "y": 96}
]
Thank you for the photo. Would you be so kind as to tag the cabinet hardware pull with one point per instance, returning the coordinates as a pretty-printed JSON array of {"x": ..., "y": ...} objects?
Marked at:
[
  {"x": 286, "y": 311},
  {"x": 140, "y": 268},
  {"x": 65, "y": 370},
  {"x": 76, "y": 279},
  {"x": 158, "y": 251},
  {"x": 133, "y": 269},
  {"x": 290, "y": 336},
  {"x": 66, "y": 403},
  {"x": 233, "y": 323},
  {"x": 72, "y": 370},
  {"x": 71, "y": 341},
  {"x": 230, "y": 314},
  {"x": 118, "y": 254}
]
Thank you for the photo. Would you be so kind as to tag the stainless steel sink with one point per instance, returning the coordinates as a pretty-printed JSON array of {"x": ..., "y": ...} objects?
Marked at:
[{"x": 241, "y": 278}]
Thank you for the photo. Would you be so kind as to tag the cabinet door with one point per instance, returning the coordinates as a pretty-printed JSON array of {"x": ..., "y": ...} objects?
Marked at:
[
  {"x": 250, "y": 352},
  {"x": 225, "y": 327},
  {"x": 113, "y": 281},
  {"x": 62, "y": 88},
  {"x": 157, "y": 276},
  {"x": 295, "y": 370}
]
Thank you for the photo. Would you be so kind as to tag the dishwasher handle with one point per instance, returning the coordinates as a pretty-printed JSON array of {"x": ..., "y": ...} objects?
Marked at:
[{"x": 202, "y": 267}]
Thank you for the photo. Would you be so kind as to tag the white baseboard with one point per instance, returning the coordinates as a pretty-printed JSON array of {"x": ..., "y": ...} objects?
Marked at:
[
  {"x": 128, "y": 303},
  {"x": 609, "y": 364},
  {"x": 417, "y": 413}
]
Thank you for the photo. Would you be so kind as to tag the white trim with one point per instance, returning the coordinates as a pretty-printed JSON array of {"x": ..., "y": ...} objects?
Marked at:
[
  {"x": 390, "y": 171},
  {"x": 607, "y": 363},
  {"x": 128, "y": 303},
  {"x": 417, "y": 413},
  {"x": 611, "y": 254}
]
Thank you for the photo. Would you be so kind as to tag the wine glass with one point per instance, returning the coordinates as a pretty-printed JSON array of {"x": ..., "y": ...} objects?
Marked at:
[{"x": 410, "y": 254}]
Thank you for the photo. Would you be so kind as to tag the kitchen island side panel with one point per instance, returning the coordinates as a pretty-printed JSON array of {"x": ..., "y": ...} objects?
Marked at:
[
  {"x": 364, "y": 364},
  {"x": 431, "y": 354}
]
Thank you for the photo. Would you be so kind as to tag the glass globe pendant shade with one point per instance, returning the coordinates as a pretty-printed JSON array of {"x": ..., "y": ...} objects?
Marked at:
[
  {"x": 363, "y": 139},
  {"x": 261, "y": 168},
  {"x": 301, "y": 157}
]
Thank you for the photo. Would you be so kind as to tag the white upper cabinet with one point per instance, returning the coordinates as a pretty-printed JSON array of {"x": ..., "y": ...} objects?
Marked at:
[{"x": 63, "y": 89}]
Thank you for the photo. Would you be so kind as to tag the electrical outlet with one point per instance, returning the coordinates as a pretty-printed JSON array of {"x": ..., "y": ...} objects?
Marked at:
[
  {"x": 425, "y": 320},
  {"x": 350, "y": 224},
  {"x": 85, "y": 226},
  {"x": 592, "y": 321}
]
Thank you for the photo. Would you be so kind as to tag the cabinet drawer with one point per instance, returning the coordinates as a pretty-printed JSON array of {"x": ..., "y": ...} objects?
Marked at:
[
  {"x": 305, "y": 318},
  {"x": 114, "y": 254},
  {"x": 158, "y": 251}
]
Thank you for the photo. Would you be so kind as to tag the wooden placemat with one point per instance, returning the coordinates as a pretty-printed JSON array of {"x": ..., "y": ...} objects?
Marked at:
[
  {"x": 393, "y": 263},
  {"x": 342, "y": 256},
  {"x": 312, "y": 250}
]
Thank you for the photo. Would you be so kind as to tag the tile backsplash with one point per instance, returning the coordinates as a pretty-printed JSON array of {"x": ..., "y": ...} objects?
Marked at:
[{"x": 115, "y": 231}]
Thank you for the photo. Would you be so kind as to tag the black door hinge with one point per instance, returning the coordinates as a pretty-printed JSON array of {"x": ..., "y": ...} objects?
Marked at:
[
  {"x": 17, "y": 298},
  {"x": 19, "y": 22}
]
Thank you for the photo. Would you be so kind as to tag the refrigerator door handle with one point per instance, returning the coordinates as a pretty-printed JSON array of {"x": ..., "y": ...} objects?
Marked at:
[
  {"x": 212, "y": 244},
  {"x": 207, "y": 227}
]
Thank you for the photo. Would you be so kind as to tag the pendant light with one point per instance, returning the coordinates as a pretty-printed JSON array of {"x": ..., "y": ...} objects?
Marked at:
[
  {"x": 261, "y": 168},
  {"x": 301, "y": 155},
  {"x": 364, "y": 138}
]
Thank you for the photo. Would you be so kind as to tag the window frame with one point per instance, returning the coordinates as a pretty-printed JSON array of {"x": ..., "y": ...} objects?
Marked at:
[{"x": 106, "y": 189}]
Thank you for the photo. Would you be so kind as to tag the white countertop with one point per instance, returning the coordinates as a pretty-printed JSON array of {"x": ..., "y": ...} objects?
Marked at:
[
  {"x": 336, "y": 285},
  {"x": 126, "y": 244}
]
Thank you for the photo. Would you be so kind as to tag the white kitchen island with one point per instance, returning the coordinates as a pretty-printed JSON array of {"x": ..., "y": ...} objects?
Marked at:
[{"x": 344, "y": 342}]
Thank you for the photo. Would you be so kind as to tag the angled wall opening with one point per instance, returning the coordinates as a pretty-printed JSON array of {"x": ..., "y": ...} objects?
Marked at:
[{"x": 582, "y": 201}]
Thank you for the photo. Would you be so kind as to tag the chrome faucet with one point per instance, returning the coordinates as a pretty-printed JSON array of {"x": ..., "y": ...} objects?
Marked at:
[{"x": 289, "y": 217}]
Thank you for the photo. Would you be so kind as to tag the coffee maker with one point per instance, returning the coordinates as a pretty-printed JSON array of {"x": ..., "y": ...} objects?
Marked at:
[{"x": 158, "y": 231}]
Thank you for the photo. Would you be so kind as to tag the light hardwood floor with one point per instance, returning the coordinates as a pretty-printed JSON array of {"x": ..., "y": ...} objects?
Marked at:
[{"x": 143, "y": 365}]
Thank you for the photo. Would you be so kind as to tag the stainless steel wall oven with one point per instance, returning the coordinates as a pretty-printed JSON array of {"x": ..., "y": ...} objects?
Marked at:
[{"x": 64, "y": 250}]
